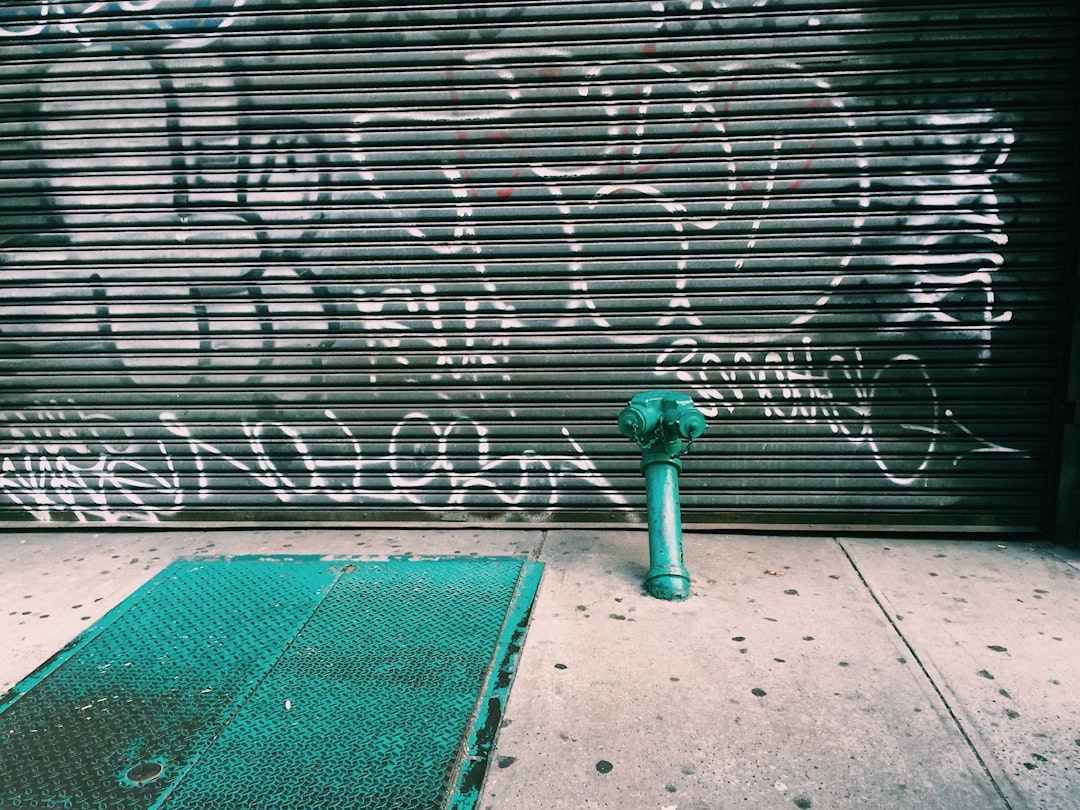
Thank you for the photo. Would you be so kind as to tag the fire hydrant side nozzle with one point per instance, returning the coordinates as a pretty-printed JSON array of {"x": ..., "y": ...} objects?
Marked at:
[{"x": 659, "y": 422}]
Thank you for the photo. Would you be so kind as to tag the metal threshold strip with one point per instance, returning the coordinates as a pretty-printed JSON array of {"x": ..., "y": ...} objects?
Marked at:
[{"x": 277, "y": 682}]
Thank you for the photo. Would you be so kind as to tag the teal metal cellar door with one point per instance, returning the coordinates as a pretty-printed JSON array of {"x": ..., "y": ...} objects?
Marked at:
[{"x": 276, "y": 682}]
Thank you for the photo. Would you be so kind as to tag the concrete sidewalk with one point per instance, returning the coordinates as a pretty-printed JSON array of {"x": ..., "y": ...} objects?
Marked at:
[{"x": 803, "y": 672}]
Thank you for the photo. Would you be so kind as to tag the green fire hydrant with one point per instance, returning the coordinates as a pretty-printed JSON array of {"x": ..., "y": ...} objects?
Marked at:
[{"x": 659, "y": 422}]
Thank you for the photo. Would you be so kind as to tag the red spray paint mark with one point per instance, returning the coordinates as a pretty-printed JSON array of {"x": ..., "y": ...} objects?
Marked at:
[
  {"x": 503, "y": 193},
  {"x": 650, "y": 48}
]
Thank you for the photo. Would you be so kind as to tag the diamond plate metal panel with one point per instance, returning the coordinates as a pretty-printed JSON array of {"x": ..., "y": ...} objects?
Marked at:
[{"x": 261, "y": 683}]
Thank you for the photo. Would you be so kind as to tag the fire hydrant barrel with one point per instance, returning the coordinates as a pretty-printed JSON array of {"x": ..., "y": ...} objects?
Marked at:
[{"x": 667, "y": 577}]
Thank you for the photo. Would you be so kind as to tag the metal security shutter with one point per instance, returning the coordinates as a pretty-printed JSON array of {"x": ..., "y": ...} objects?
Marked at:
[{"x": 265, "y": 260}]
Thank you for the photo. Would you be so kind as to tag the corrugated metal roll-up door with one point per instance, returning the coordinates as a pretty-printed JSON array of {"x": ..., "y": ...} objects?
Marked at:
[{"x": 265, "y": 260}]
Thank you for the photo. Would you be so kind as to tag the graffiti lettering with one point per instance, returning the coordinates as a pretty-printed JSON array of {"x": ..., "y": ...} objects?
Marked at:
[
  {"x": 423, "y": 464},
  {"x": 333, "y": 244}
]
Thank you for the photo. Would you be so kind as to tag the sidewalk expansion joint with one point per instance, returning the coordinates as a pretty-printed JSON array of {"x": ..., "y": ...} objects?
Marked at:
[
  {"x": 1059, "y": 554},
  {"x": 929, "y": 677},
  {"x": 538, "y": 549}
]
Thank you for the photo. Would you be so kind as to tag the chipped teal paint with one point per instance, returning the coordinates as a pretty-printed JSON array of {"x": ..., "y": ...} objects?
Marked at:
[
  {"x": 500, "y": 677},
  {"x": 261, "y": 682}
]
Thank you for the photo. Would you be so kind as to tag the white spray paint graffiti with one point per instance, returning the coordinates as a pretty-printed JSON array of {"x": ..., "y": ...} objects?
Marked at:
[
  {"x": 813, "y": 384},
  {"x": 62, "y": 469},
  {"x": 90, "y": 24},
  {"x": 241, "y": 203},
  {"x": 65, "y": 467}
]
